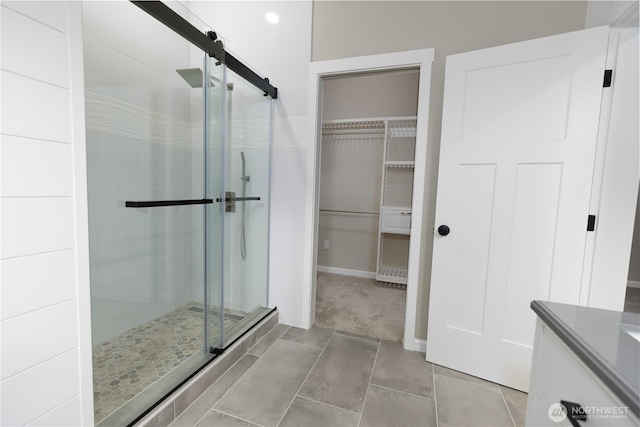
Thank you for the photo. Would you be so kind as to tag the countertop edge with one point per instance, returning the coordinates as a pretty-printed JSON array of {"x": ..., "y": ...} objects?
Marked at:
[{"x": 602, "y": 370}]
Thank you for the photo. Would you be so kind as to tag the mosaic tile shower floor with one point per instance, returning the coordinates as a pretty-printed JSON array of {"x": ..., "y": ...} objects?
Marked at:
[{"x": 128, "y": 363}]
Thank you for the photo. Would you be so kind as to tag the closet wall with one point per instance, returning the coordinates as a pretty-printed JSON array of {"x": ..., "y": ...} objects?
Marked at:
[{"x": 351, "y": 168}]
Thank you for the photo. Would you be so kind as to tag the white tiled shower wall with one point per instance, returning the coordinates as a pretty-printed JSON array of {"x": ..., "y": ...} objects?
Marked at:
[{"x": 46, "y": 348}]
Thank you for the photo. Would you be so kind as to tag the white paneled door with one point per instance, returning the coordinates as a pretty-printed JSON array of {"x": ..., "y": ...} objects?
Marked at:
[{"x": 517, "y": 154}]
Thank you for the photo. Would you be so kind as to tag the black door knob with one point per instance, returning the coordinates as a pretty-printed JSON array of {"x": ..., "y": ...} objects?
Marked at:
[{"x": 443, "y": 230}]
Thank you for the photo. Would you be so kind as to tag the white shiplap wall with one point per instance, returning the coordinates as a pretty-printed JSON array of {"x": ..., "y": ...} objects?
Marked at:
[{"x": 44, "y": 319}]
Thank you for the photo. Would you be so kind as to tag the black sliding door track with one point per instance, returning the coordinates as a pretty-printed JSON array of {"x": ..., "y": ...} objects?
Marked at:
[{"x": 206, "y": 42}]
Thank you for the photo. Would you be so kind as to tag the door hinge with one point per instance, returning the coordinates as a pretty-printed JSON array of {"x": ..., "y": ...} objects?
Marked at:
[
  {"x": 608, "y": 75},
  {"x": 591, "y": 223}
]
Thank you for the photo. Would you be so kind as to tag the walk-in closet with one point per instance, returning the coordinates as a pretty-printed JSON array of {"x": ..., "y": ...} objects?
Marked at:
[{"x": 366, "y": 187}]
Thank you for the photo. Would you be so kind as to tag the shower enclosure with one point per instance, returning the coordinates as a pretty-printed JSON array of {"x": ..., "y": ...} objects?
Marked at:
[{"x": 178, "y": 175}]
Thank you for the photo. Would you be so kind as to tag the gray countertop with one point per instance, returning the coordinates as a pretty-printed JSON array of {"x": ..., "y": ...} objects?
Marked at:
[{"x": 598, "y": 339}]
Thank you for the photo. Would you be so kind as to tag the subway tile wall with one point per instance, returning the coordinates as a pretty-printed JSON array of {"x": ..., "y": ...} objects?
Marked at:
[{"x": 40, "y": 372}]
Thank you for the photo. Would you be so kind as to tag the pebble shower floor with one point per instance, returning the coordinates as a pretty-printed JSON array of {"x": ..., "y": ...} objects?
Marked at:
[{"x": 128, "y": 363}]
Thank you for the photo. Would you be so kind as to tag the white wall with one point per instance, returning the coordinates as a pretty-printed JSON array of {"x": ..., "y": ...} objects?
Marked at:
[
  {"x": 46, "y": 341},
  {"x": 282, "y": 53}
]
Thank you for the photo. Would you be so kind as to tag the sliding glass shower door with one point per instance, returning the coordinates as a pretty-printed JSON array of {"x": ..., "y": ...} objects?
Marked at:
[
  {"x": 178, "y": 182},
  {"x": 246, "y": 212}
]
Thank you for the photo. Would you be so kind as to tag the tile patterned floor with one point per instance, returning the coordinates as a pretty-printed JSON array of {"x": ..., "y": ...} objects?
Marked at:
[
  {"x": 132, "y": 361},
  {"x": 321, "y": 377}
]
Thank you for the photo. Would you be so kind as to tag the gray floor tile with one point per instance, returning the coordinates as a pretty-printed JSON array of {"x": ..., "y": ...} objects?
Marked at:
[
  {"x": 402, "y": 370},
  {"x": 264, "y": 393},
  {"x": 341, "y": 376},
  {"x": 307, "y": 413},
  {"x": 441, "y": 370},
  {"x": 463, "y": 403},
  {"x": 315, "y": 336},
  {"x": 267, "y": 341},
  {"x": 392, "y": 408},
  {"x": 210, "y": 397},
  {"x": 217, "y": 419},
  {"x": 517, "y": 403}
]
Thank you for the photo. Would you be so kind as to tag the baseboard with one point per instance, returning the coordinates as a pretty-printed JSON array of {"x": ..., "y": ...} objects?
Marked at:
[
  {"x": 347, "y": 272},
  {"x": 633, "y": 284},
  {"x": 419, "y": 345}
]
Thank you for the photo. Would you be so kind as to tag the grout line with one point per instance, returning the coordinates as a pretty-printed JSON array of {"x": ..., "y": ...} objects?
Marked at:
[
  {"x": 400, "y": 391},
  {"x": 63, "y": 352},
  {"x": 355, "y": 336},
  {"x": 199, "y": 419},
  {"x": 491, "y": 387},
  {"x": 326, "y": 404},
  {"x": 364, "y": 402},
  {"x": 232, "y": 416},
  {"x": 73, "y": 248},
  {"x": 36, "y": 79},
  {"x": 35, "y": 138},
  {"x": 37, "y": 20},
  {"x": 305, "y": 345},
  {"x": 44, "y": 307},
  {"x": 507, "y": 405},
  {"x": 306, "y": 378},
  {"x": 435, "y": 399},
  {"x": 75, "y": 396}
]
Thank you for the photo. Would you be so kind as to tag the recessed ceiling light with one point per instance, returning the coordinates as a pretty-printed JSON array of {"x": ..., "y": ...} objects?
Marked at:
[{"x": 271, "y": 18}]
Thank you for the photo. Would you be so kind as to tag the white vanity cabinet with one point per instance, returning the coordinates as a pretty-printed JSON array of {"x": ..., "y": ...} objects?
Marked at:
[{"x": 559, "y": 374}]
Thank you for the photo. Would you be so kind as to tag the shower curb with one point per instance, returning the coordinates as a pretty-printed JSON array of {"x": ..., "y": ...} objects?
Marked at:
[{"x": 182, "y": 398}]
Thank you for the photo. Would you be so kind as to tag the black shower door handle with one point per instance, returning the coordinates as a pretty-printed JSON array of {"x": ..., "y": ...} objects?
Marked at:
[{"x": 159, "y": 203}]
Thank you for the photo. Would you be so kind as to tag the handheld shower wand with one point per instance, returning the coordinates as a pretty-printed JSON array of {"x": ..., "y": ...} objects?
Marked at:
[{"x": 245, "y": 178}]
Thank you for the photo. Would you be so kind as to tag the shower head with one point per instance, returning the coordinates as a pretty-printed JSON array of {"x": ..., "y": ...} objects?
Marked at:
[{"x": 193, "y": 77}]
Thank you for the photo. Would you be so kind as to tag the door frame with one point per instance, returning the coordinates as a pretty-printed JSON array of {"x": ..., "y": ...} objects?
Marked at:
[{"x": 422, "y": 60}]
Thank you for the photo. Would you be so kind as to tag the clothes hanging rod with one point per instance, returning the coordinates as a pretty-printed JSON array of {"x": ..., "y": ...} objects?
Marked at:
[
  {"x": 206, "y": 42},
  {"x": 348, "y": 212}
]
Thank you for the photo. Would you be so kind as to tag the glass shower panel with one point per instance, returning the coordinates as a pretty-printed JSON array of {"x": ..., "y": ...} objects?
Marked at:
[
  {"x": 246, "y": 236},
  {"x": 213, "y": 226},
  {"x": 145, "y": 142}
]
